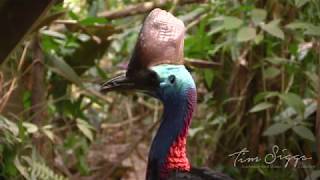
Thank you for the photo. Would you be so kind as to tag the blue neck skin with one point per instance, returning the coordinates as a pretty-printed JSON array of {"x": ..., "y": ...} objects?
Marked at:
[
  {"x": 172, "y": 124},
  {"x": 176, "y": 105}
]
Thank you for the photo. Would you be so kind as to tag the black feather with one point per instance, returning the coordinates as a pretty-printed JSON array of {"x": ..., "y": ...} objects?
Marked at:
[{"x": 198, "y": 174}]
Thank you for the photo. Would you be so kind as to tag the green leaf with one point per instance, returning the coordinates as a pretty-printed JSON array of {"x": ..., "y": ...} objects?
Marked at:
[
  {"x": 22, "y": 169},
  {"x": 84, "y": 127},
  {"x": 92, "y": 21},
  {"x": 259, "y": 38},
  {"x": 219, "y": 120},
  {"x": 313, "y": 30},
  {"x": 271, "y": 72},
  {"x": 310, "y": 110},
  {"x": 216, "y": 49},
  {"x": 262, "y": 95},
  {"x": 194, "y": 131},
  {"x": 193, "y": 14},
  {"x": 101, "y": 72},
  {"x": 297, "y": 25},
  {"x": 215, "y": 28},
  {"x": 273, "y": 29},
  {"x": 294, "y": 101},
  {"x": 246, "y": 34},
  {"x": 304, "y": 132},
  {"x": 231, "y": 22},
  {"x": 258, "y": 15},
  {"x": 73, "y": 15},
  {"x": 26, "y": 99},
  {"x": 260, "y": 107},
  {"x": 198, "y": 43},
  {"x": 53, "y": 34},
  {"x": 83, "y": 37},
  {"x": 277, "y": 60},
  {"x": 314, "y": 79},
  {"x": 31, "y": 128},
  {"x": 276, "y": 128},
  {"x": 47, "y": 130},
  {"x": 208, "y": 77},
  {"x": 300, "y": 3},
  {"x": 9, "y": 125},
  {"x": 63, "y": 69}
]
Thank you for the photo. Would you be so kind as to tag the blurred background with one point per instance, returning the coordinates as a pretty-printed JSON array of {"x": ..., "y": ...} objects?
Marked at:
[{"x": 255, "y": 62}]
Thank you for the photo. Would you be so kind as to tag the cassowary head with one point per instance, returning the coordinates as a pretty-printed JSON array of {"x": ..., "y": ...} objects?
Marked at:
[{"x": 156, "y": 66}]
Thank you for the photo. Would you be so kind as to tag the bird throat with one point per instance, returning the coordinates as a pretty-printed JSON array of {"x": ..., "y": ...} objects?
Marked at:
[
  {"x": 177, "y": 157},
  {"x": 168, "y": 150}
]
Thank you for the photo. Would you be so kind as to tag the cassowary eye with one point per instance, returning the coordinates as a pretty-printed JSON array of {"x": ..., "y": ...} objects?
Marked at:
[{"x": 172, "y": 79}]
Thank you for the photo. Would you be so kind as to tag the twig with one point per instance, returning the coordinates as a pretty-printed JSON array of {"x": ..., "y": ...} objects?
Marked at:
[
  {"x": 132, "y": 147},
  {"x": 76, "y": 23},
  {"x": 196, "y": 21},
  {"x": 42, "y": 105},
  {"x": 141, "y": 8},
  {"x": 145, "y": 103},
  {"x": 136, "y": 143},
  {"x": 317, "y": 129},
  {"x": 89, "y": 91},
  {"x": 242, "y": 96},
  {"x": 199, "y": 63},
  {"x": 124, "y": 123},
  {"x": 59, "y": 164},
  {"x": 129, "y": 112},
  {"x": 4, "y": 99},
  {"x": 1, "y": 82},
  {"x": 156, "y": 112},
  {"x": 135, "y": 171},
  {"x": 6, "y": 96},
  {"x": 174, "y": 6},
  {"x": 141, "y": 156}
]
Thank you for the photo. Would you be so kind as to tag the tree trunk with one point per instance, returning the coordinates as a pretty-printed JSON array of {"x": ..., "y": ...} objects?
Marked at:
[
  {"x": 17, "y": 19},
  {"x": 38, "y": 101}
]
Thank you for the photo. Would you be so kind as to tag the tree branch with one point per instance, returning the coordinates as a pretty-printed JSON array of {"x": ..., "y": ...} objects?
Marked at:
[
  {"x": 199, "y": 63},
  {"x": 140, "y": 8},
  {"x": 317, "y": 123}
]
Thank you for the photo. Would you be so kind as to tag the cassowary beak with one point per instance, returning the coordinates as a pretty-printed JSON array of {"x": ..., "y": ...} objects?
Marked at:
[
  {"x": 145, "y": 80},
  {"x": 118, "y": 83}
]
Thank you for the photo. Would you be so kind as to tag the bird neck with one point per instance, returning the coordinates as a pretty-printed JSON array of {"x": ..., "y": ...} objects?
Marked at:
[{"x": 168, "y": 149}]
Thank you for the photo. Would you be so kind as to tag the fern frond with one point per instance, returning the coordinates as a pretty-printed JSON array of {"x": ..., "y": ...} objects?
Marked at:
[{"x": 42, "y": 172}]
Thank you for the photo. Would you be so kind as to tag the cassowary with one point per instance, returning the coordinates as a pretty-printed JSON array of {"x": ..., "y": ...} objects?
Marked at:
[{"x": 156, "y": 68}]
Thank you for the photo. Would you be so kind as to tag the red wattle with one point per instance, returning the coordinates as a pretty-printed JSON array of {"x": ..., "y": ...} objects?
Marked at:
[{"x": 177, "y": 157}]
